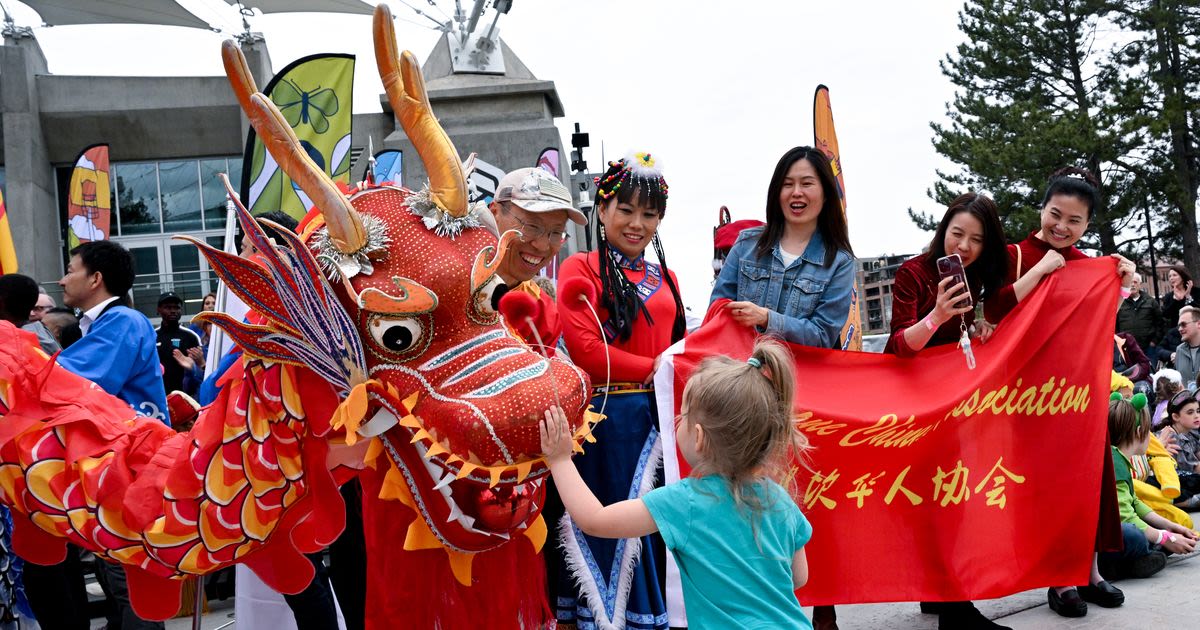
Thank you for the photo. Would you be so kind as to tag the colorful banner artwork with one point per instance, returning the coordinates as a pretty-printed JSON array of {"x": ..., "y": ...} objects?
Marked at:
[
  {"x": 548, "y": 161},
  {"x": 314, "y": 94},
  {"x": 825, "y": 139},
  {"x": 388, "y": 163},
  {"x": 8, "y": 252},
  {"x": 965, "y": 484},
  {"x": 89, "y": 201}
]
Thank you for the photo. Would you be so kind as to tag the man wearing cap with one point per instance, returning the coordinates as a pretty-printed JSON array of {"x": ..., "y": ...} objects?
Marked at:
[
  {"x": 535, "y": 203},
  {"x": 174, "y": 341}
]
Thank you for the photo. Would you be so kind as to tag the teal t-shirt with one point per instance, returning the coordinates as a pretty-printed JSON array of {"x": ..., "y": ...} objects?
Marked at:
[{"x": 730, "y": 579}]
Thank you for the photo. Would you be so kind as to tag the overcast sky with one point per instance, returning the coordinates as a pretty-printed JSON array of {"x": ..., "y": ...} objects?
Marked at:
[{"x": 717, "y": 90}]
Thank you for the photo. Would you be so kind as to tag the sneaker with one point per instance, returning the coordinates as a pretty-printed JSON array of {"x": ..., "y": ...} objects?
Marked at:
[
  {"x": 1147, "y": 565},
  {"x": 1069, "y": 604},
  {"x": 965, "y": 616},
  {"x": 1104, "y": 595}
]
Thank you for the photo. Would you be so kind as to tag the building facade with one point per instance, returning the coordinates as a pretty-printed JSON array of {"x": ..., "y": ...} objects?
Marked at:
[
  {"x": 170, "y": 137},
  {"x": 875, "y": 278}
]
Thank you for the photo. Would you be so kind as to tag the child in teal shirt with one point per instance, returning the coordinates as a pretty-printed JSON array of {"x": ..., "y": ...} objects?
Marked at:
[{"x": 736, "y": 534}]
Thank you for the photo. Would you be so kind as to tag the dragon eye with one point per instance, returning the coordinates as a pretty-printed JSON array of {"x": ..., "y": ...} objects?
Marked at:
[
  {"x": 487, "y": 298},
  {"x": 397, "y": 334}
]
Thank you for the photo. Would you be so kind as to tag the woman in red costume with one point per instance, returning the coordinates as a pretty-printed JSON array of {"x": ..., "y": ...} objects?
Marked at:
[
  {"x": 1067, "y": 206},
  {"x": 925, "y": 313},
  {"x": 640, "y": 315}
]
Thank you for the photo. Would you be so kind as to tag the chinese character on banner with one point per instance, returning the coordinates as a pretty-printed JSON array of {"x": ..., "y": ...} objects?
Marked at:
[
  {"x": 898, "y": 486},
  {"x": 951, "y": 485},
  {"x": 816, "y": 490},
  {"x": 862, "y": 488},
  {"x": 998, "y": 475}
]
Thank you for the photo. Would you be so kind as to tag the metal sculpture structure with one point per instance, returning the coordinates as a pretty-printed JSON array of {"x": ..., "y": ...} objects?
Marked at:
[{"x": 375, "y": 352}]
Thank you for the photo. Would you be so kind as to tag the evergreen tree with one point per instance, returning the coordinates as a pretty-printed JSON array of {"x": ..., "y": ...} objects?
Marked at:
[{"x": 1038, "y": 91}]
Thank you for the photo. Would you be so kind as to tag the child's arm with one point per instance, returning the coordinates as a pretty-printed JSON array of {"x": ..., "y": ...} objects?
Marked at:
[
  {"x": 1185, "y": 542},
  {"x": 626, "y": 519},
  {"x": 799, "y": 569}
]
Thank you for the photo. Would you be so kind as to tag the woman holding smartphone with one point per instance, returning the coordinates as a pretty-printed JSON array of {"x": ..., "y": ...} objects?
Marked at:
[{"x": 932, "y": 307}]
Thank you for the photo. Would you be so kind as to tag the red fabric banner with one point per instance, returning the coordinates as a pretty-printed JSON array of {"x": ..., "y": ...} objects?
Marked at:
[{"x": 930, "y": 481}]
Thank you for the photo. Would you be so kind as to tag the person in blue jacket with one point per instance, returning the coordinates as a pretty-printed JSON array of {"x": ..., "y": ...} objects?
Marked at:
[
  {"x": 117, "y": 352},
  {"x": 793, "y": 278}
]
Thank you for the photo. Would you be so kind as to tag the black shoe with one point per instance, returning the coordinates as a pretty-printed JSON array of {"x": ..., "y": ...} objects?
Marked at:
[
  {"x": 1104, "y": 595},
  {"x": 965, "y": 616},
  {"x": 932, "y": 608},
  {"x": 1069, "y": 604},
  {"x": 1146, "y": 565}
]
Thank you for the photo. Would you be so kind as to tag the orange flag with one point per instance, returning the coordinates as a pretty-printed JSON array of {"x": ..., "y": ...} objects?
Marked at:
[
  {"x": 825, "y": 139},
  {"x": 8, "y": 253}
]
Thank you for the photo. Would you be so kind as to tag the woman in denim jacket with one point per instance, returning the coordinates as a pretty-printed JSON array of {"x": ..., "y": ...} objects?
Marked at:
[{"x": 793, "y": 278}]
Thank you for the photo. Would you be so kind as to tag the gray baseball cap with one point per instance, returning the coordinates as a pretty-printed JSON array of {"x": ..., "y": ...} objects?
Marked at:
[{"x": 535, "y": 190}]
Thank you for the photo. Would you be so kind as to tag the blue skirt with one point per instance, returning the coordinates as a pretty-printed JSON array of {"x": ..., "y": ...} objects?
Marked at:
[{"x": 615, "y": 581}]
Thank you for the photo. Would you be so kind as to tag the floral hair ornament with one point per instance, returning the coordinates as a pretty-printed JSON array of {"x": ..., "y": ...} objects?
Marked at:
[
  {"x": 640, "y": 170},
  {"x": 1138, "y": 400}
]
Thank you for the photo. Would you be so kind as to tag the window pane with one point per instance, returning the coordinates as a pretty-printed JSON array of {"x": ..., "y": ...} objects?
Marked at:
[
  {"x": 180, "y": 196},
  {"x": 185, "y": 276},
  {"x": 214, "y": 192},
  {"x": 235, "y": 171},
  {"x": 137, "y": 190},
  {"x": 146, "y": 285}
]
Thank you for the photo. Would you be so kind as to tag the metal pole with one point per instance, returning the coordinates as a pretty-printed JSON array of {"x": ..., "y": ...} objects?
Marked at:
[
  {"x": 1153, "y": 262},
  {"x": 198, "y": 602}
]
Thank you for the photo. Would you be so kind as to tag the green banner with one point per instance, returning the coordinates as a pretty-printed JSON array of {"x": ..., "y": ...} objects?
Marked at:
[{"x": 315, "y": 96}]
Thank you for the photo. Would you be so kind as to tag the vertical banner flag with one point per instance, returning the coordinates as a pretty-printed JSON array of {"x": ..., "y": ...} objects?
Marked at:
[
  {"x": 951, "y": 478},
  {"x": 548, "y": 161},
  {"x": 825, "y": 139},
  {"x": 387, "y": 167},
  {"x": 89, "y": 209},
  {"x": 8, "y": 252},
  {"x": 314, "y": 94}
]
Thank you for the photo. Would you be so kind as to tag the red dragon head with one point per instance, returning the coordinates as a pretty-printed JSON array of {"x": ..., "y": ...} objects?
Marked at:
[{"x": 429, "y": 371}]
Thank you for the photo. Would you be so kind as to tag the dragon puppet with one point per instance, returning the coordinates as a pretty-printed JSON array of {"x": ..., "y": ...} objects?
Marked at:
[{"x": 376, "y": 354}]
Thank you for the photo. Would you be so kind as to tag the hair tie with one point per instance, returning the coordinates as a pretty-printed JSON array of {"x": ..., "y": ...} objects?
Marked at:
[
  {"x": 1138, "y": 401},
  {"x": 1115, "y": 396},
  {"x": 754, "y": 363}
]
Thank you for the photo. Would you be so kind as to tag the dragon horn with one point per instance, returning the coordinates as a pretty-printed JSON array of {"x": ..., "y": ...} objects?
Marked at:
[
  {"x": 345, "y": 226},
  {"x": 406, "y": 92},
  {"x": 238, "y": 73}
]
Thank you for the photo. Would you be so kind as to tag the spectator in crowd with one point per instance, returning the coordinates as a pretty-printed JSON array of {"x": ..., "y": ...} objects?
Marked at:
[
  {"x": 1187, "y": 354},
  {"x": 44, "y": 303},
  {"x": 63, "y": 324},
  {"x": 1129, "y": 361},
  {"x": 174, "y": 344},
  {"x": 1140, "y": 316},
  {"x": 1167, "y": 383},
  {"x": 1183, "y": 429},
  {"x": 116, "y": 353},
  {"x": 18, "y": 295},
  {"x": 204, "y": 329},
  {"x": 1182, "y": 293}
]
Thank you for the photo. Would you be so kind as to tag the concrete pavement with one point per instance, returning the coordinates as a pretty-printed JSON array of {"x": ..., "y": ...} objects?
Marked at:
[{"x": 1170, "y": 599}]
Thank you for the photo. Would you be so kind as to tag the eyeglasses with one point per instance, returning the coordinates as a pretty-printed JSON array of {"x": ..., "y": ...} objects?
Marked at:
[
  {"x": 531, "y": 232},
  {"x": 1184, "y": 324},
  {"x": 42, "y": 309}
]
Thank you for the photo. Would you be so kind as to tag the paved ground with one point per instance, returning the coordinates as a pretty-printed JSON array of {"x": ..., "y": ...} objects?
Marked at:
[{"x": 1170, "y": 599}]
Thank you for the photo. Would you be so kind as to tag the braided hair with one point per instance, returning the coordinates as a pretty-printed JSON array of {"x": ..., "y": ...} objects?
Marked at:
[{"x": 629, "y": 179}]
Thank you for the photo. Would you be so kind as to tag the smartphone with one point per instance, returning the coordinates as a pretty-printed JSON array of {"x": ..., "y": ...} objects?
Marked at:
[{"x": 951, "y": 267}]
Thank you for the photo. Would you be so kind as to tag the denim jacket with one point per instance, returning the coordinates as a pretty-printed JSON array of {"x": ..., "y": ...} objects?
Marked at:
[{"x": 808, "y": 301}]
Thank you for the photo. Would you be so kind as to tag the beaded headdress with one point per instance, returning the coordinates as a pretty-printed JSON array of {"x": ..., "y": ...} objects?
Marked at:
[{"x": 636, "y": 170}]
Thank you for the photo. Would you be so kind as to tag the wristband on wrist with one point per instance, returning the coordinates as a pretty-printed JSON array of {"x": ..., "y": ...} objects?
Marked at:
[{"x": 1164, "y": 536}]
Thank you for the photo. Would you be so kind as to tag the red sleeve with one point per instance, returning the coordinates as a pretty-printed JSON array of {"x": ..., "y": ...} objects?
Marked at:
[
  {"x": 584, "y": 341},
  {"x": 548, "y": 326},
  {"x": 995, "y": 307},
  {"x": 905, "y": 293}
]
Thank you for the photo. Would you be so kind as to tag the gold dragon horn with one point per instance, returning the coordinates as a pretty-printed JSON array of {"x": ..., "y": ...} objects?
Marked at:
[
  {"x": 406, "y": 92},
  {"x": 345, "y": 226}
]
